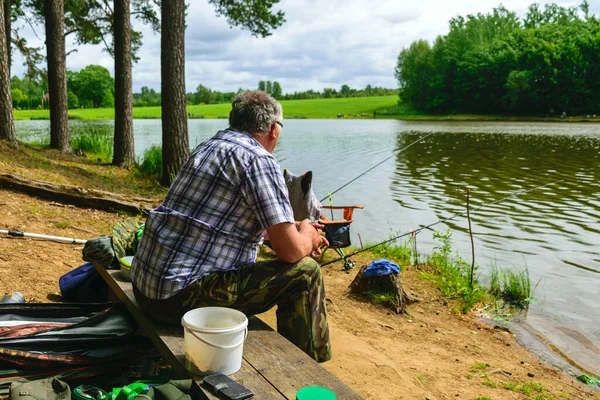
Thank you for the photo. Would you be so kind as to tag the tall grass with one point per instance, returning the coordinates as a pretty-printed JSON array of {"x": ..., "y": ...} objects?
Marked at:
[
  {"x": 401, "y": 253},
  {"x": 452, "y": 274},
  {"x": 95, "y": 139},
  {"x": 512, "y": 286},
  {"x": 151, "y": 163}
]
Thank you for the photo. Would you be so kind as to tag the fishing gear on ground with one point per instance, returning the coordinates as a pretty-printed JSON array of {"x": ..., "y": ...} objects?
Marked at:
[{"x": 59, "y": 239}]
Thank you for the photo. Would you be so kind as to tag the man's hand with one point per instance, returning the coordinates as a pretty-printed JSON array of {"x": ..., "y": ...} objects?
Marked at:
[
  {"x": 318, "y": 240},
  {"x": 291, "y": 242}
]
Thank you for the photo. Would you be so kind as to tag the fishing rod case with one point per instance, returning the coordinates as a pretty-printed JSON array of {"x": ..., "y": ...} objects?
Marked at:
[{"x": 68, "y": 340}]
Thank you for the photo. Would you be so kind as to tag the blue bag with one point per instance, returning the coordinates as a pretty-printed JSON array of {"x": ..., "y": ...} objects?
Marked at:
[
  {"x": 381, "y": 267},
  {"x": 83, "y": 285}
]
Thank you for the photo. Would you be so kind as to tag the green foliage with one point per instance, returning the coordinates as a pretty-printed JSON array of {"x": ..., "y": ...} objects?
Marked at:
[
  {"x": 146, "y": 98},
  {"x": 151, "y": 164},
  {"x": 93, "y": 86},
  {"x": 31, "y": 92},
  {"x": 17, "y": 96},
  {"x": 497, "y": 63},
  {"x": 108, "y": 99},
  {"x": 253, "y": 15},
  {"x": 479, "y": 366},
  {"x": 382, "y": 298},
  {"x": 72, "y": 100},
  {"x": 277, "y": 91},
  {"x": 400, "y": 253},
  {"x": 514, "y": 287},
  {"x": 95, "y": 139},
  {"x": 453, "y": 274}
]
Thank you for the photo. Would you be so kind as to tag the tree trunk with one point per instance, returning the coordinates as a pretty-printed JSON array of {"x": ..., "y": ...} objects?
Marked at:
[
  {"x": 7, "y": 123},
  {"x": 175, "y": 141},
  {"x": 78, "y": 196},
  {"x": 124, "y": 153},
  {"x": 7, "y": 28},
  {"x": 389, "y": 285},
  {"x": 57, "y": 74}
]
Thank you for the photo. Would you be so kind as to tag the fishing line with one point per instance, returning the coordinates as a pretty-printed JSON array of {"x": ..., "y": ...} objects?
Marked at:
[
  {"x": 374, "y": 166},
  {"x": 441, "y": 221}
]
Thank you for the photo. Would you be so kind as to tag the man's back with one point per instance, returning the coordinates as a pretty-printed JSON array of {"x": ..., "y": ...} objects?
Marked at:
[{"x": 214, "y": 215}]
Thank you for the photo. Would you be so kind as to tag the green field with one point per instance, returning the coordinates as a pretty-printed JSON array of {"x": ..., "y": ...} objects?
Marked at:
[{"x": 318, "y": 108}]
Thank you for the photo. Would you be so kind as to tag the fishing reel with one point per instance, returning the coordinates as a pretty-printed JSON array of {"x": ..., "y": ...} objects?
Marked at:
[{"x": 348, "y": 265}]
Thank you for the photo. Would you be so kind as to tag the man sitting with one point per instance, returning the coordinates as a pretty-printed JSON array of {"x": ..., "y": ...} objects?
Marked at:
[{"x": 200, "y": 245}]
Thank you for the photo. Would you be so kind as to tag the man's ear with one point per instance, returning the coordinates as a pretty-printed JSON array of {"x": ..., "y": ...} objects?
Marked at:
[
  {"x": 306, "y": 182},
  {"x": 273, "y": 131}
]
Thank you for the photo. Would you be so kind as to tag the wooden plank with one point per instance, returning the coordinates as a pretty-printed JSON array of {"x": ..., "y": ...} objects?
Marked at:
[
  {"x": 287, "y": 367},
  {"x": 272, "y": 367},
  {"x": 168, "y": 340}
]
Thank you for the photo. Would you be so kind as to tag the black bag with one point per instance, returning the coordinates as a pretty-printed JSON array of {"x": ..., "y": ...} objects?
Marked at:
[{"x": 67, "y": 340}]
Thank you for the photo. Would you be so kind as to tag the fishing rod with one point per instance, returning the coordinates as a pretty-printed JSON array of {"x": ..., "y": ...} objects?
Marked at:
[
  {"x": 59, "y": 239},
  {"x": 440, "y": 221},
  {"x": 374, "y": 166}
]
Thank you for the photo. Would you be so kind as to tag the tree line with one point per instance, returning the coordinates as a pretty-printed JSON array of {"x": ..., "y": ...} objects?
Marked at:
[
  {"x": 91, "y": 87},
  {"x": 108, "y": 23},
  {"x": 547, "y": 63}
]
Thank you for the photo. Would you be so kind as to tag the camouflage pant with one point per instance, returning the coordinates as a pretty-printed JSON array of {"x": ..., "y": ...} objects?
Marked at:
[{"x": 297, "y": 290}]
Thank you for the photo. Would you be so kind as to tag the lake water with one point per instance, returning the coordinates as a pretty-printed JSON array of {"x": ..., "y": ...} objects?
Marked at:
[{"x": 553, "y": 231}]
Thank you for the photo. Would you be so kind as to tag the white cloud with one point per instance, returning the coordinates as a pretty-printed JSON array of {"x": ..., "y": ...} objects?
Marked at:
[{"x": 322, "y": 44}]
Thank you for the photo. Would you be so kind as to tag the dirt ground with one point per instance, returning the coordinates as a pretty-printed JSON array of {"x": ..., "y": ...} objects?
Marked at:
[{"x": 431, "y": 353}]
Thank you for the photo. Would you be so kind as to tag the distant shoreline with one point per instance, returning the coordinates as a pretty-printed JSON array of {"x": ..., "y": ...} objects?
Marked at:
[{"x": 381, "y": 107}]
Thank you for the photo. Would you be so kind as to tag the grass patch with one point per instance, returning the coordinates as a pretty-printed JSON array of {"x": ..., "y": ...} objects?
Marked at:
[
  {"x": 400, "y": 253},
  {"x": 62, "y": 225},
  {"x": 452, "y": 274},
  {"x": 482, "y": 398},
  {"x": 489, "y": 383},
  {"x": 512, "y": 286},
  {"x": 316, "y": 108},
  {"x": 95, "y": 139},
  {"x": 385, "y": 299},
  {"x": 510, "y": 386},
  {"x": 151, "y": 164},
  {"x": 480, "y": 366}
]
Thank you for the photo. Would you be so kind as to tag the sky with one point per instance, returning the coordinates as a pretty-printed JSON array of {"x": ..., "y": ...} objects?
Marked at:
[{"x": 323, "y": 43}]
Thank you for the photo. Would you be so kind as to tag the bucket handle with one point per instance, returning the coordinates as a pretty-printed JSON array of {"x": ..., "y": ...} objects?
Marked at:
[{"x": 218, "y": 346}]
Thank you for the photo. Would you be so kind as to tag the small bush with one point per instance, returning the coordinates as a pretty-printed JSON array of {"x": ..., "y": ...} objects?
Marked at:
[{"x": 151, "y": 164}]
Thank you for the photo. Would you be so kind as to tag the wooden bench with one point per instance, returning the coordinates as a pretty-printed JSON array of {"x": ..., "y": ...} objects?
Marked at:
[{"x": 272, "y": 367}]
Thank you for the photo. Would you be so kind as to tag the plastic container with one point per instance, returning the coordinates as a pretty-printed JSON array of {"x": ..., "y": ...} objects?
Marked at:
[
  {"x": 214, "y": 340},
  {"x": 315, "y": 393},
  {"x": 125, "y": 263}
]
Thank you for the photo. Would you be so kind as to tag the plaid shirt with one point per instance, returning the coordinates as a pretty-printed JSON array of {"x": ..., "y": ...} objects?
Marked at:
[{"x": 213, "y": 217}]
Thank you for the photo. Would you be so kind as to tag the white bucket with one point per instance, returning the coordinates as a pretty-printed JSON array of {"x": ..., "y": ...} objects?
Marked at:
[{"x": 214, "y": 340}]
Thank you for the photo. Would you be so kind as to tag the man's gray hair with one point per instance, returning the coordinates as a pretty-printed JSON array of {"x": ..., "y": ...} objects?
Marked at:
[{"x": 254, "y": 112}]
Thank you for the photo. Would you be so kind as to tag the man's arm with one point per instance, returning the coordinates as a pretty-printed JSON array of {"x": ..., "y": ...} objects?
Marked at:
[{"x": 292, "y": 242}]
